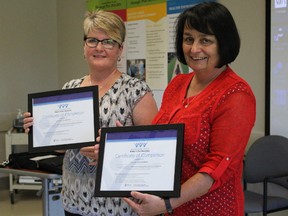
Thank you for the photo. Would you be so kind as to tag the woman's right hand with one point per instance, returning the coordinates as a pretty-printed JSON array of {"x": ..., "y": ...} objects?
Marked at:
[
  {"x": 118, "y": 124},
  {"x": 28, "y": 121}
]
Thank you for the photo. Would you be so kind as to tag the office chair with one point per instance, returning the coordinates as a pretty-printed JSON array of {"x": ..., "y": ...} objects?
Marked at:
[{"x": 266, "y": 162}]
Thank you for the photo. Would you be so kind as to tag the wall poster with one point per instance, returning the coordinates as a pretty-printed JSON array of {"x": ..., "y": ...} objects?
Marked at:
[{"x": 149, "y": 52}]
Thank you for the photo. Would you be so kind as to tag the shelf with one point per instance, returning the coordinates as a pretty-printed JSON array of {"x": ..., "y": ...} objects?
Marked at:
[{"x": 13, "y": 139}]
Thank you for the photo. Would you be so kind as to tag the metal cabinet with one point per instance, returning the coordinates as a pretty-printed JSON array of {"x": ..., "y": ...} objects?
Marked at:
[{"x": 51, "y": 190}]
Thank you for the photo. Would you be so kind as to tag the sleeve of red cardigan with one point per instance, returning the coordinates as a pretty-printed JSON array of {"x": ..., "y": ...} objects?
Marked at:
[{"x": 232, "y": 123}]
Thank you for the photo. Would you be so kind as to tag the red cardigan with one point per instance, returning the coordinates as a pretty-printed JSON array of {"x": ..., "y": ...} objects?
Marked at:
[{"x": 218, "y": 122}]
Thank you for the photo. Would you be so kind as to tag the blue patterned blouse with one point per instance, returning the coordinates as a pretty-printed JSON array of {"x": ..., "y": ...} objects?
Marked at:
[{"x": 79, "y": 177}]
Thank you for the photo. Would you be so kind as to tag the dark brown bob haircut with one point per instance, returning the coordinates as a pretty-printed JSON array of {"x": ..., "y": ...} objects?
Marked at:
[{"x": 210, "y": 18}]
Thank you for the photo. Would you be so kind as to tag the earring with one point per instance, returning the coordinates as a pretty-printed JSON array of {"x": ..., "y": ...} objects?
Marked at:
[{"x": 119, "y": 59}]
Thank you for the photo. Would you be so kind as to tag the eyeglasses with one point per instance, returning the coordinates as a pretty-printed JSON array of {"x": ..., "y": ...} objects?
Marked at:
[{"x": 107, "y": 43}]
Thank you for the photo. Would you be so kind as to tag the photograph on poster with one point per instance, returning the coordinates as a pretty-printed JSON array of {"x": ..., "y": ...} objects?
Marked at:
[
  {"x": 136, "y": 68},
  {"x": 175, "y": 67}
]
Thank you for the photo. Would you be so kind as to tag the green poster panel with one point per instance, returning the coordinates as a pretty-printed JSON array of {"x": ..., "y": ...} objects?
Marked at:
[
  {"x": 106, "y": 4},
  {"x": 139, "y": 3}
]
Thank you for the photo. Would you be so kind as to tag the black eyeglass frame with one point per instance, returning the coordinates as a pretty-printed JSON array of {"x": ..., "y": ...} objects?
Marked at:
[{"x": 101, "y": 41}]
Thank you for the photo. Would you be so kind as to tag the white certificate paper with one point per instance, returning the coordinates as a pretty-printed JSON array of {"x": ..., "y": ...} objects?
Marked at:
[
  {"x": 61, "y": 120},
  {"x": 135, "y": 162},
  {"x": 139, "y": 161}
]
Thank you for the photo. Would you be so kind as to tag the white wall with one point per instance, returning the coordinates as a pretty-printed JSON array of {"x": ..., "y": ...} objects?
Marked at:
[
  {"x": 28, "y": 55},
  {"x": 72, "y": 64},
  {"x": 250, "y": 64}
]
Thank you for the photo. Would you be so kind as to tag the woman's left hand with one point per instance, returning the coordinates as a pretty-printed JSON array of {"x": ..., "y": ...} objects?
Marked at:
[
  {"x": 91, "y": 152},
  {"x": 146, "y": 204}
]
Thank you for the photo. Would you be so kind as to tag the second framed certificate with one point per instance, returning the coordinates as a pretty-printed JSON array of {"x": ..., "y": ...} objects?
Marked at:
[
  {"x": 140, "y": 158},
  {"x": 63, "y": 119}
]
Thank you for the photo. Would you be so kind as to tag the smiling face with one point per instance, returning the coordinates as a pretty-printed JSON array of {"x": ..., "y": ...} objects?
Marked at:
[
  {"x": 200, "y": 50},
  {"x": 98, "y": 57}
]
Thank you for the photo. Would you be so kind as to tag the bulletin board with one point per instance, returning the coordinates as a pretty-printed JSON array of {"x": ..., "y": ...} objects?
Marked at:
[{"x": 149, "y": 52}]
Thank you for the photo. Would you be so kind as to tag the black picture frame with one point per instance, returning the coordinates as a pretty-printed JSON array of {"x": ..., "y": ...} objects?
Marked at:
[
  {"x": 68, "y": 104},
  {"x": 136, "y": 137}
]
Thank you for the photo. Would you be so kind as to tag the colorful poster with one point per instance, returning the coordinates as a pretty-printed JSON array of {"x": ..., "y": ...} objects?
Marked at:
[
  {"x": 149, "y": 48},
  {"x": 147, "y": 44}
]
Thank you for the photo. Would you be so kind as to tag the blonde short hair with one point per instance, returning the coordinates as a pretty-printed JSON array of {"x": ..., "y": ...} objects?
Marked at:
[{"x": 108, "y": 22}]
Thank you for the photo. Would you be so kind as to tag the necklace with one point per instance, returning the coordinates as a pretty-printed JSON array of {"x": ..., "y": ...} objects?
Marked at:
[
  {"x": 107, "y": 79},
  {"x": 187, "y": 101}
]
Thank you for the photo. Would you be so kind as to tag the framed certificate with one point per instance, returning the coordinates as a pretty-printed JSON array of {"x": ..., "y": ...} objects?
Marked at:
[
  {"x": 63, "y": 119},
  {"x": 140, "y": 158}
]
